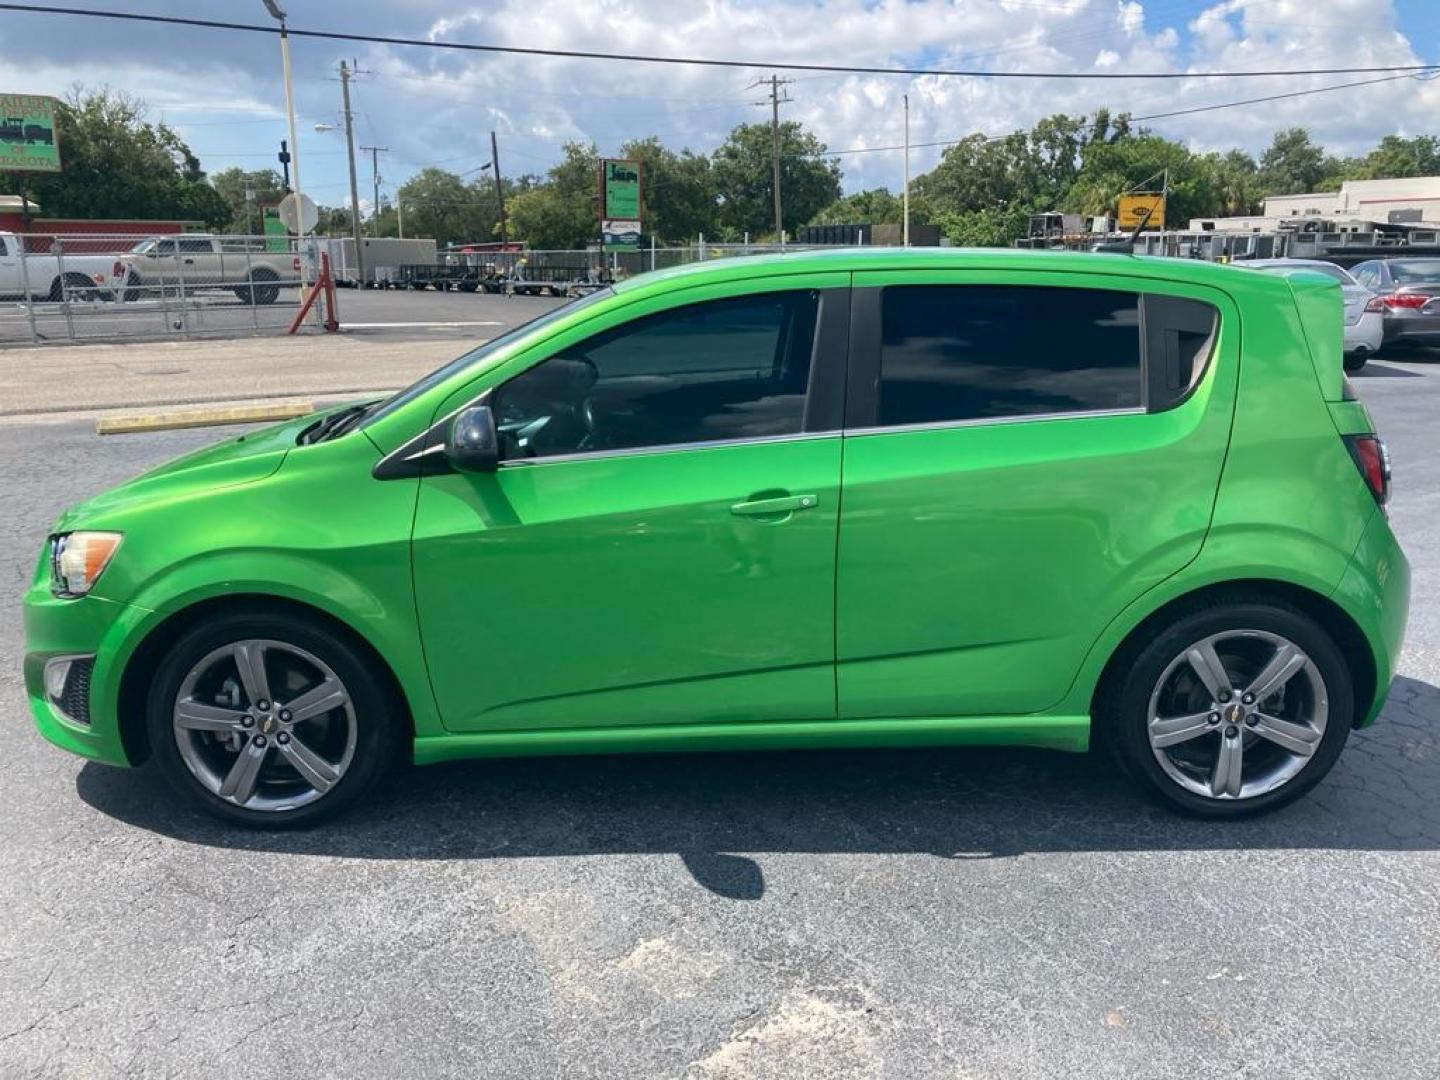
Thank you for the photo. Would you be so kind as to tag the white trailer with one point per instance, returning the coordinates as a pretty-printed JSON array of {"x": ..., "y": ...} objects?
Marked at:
[{"x": 383, "y": 256}]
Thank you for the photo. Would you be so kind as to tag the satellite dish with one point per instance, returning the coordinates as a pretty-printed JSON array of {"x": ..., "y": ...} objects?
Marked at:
[{"x": 299, "y": 215}]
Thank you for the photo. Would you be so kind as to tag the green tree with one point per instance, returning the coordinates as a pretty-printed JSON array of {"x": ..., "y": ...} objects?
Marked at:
[
  {"x": 246, "y": 215},
  {"x": 1293, "y": 164},
  {"x": 1234, "y": 183},
  {"x": 744, "y": 180},
  {"x": 1397, "y": 157},
  {"x": 1125, "y": 163},
  {"x": 118, "y": 165},
  {"x": 678, "y": 190},
  {"x": 990, "y": 227},
  {"x": 981, "y": 172},
  {"x": 439, "y": 204},
  {"x": 878, "y": 206},
  {"x": 561, "y": 212}
]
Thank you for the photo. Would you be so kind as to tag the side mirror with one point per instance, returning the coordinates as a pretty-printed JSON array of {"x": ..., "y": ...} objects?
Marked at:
[{"x": 471, "y": 443}]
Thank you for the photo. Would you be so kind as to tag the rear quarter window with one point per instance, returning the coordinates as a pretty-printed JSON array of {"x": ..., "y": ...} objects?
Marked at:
[{"x": 1179, "y": 340}]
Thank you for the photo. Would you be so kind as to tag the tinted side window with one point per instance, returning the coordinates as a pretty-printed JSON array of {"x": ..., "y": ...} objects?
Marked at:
[
  {"x": 725, "y": 369},
  {"x": 970, "y": 352},
  {"x": 165, "y": 247},
  {"x": 1179, "y": 338},
  {"x": 196, "y": 246},
  {"x": 3, "y": 249}
]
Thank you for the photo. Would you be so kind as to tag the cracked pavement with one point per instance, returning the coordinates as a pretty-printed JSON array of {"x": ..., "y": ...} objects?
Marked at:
[{"x": 970, "y": 914}]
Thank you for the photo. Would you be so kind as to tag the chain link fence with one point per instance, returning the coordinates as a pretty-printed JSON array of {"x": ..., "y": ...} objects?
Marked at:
[
  {"x": 115, "y": 287},
  {"x": 565, "y": 272},
  {"x": 104, "y": 287}
]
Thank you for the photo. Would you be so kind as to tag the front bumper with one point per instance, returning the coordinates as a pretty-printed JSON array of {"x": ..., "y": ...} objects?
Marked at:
[
  {"x": 88, "y": 626},
  {"x": 1376, "y": 592}
]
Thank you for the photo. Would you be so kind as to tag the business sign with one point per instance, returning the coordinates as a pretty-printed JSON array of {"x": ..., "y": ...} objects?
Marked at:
[
  {"x": 619, "y": 204},
  {"x": 1132, "y": 211},
  {"x": 28, "y": 142},
  {"x": 620, "y": 235},
  {"x": 277, "y": 236}
]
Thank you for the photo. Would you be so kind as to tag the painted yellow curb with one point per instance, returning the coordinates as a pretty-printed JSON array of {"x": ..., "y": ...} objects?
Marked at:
[{"x": 168, "y": 421}]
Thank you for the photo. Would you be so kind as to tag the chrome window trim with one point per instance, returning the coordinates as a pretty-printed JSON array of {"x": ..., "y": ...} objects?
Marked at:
[
  {"x": 991, "y": 421},
  {"x": 666, "y": 448}
]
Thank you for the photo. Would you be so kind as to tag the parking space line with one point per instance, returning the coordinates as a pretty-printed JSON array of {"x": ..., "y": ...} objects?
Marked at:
[{"x": 418, "y": 325}]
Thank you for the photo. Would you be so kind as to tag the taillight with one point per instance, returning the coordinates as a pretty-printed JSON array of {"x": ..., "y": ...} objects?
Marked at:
[
  {"x": 1376, "y": 303},
  {"x": 1373, "y": 460},
  {"x": 1405, "y": 300}
]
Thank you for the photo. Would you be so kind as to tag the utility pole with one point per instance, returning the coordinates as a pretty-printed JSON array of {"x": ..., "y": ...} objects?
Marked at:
[
  {"x": 775, "y": 83},
  {"x": 354, "y": 190},
  {"x": 499, "y": 189},
  {"x": 905, "y": 228},
  {"x": 375, "y": 152}
]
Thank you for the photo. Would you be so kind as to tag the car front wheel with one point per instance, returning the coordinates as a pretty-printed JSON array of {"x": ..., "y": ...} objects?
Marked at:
[
  {"x": 1236, "y": 708},
  {"x": 269, "y": 720}
]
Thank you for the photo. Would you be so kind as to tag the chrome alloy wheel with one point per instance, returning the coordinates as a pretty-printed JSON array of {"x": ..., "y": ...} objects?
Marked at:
[
  {"x": 265, "y": 725},
  {"x": 1237, "y": 714}
]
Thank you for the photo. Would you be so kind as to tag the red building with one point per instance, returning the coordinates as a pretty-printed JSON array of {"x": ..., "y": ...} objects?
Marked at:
[{"x": 92, "y": 236}]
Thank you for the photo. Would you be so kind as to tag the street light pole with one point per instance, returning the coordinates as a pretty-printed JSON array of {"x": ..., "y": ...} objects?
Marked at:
[
  {"x": 354, "y": 190},
  {"x": 279, "y": 14}
]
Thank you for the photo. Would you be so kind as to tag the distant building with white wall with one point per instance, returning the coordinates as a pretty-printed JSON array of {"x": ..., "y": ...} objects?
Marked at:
[{"x": 1412, "y": 199}]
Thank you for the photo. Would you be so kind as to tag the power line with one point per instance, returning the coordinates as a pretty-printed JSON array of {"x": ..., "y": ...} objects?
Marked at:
[
  {"x": 1132, "y": 119},
  {"x": 579, "y": 54}
]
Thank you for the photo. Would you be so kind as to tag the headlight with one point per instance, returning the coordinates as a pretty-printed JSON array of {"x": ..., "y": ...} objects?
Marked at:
[{"x": 78, "y": 558}]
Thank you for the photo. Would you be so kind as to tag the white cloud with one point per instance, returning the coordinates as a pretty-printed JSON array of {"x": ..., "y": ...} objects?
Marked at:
[{"x": 431, "y": 106}]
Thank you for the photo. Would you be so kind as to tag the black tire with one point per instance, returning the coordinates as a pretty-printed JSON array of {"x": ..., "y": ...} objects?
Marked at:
[
  {"x": 379, "y": 727},
  {"x": 263, "y": 287},
  {"x": 1123, "y": 711},
  {"x": 1355, "y": 361}
]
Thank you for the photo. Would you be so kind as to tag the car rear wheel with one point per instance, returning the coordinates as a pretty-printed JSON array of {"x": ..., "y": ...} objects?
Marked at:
[
  {"x": 1236, "y": 708},
  {"x": 1356, "y": 360},
  {"x": 269, "y": 721}
]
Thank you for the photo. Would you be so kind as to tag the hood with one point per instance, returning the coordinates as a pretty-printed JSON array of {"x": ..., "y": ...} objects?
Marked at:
[{"x": 242, "y": 459}]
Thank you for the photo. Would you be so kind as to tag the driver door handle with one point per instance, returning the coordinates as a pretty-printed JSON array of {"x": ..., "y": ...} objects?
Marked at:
[{"x": 782, "y": 504}]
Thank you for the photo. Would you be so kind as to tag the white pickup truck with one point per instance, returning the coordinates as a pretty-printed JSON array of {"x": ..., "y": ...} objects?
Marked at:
[
  {"x": 51, "y": 277},
  {"x": 194, "y": 261}
]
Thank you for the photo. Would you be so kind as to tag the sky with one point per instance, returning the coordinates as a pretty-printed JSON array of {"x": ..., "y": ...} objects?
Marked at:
[{"x": 223, "y": 92}]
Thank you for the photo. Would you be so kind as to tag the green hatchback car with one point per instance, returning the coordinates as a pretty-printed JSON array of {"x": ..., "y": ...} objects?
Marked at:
[{"x": 850, "y": 498}]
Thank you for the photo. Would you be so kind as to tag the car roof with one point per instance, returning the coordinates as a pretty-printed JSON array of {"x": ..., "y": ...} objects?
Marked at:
[{"x": 852, "y": 259}]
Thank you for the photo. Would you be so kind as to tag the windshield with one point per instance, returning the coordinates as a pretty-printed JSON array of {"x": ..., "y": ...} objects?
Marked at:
[
  {"x": 1409, "y": 271},
  {"x": 481, "y": 352},
  {"x": 142, "y": 248}
]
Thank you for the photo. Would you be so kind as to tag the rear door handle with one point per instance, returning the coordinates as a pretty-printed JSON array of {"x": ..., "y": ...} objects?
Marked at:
[{"x": 781, "y": 504}]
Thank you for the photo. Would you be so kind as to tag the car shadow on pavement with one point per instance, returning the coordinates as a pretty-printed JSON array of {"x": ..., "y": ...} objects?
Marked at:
[
  {"x": 716, "y": 809},
  {"x": 1377, "y": 370}
]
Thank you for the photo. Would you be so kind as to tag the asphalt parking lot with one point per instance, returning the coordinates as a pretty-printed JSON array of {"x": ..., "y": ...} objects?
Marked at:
[{"x": 963, "y": 914}]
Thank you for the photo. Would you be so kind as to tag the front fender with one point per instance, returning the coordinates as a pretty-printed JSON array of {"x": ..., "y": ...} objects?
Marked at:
[{"x": 382, "y": 613}]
